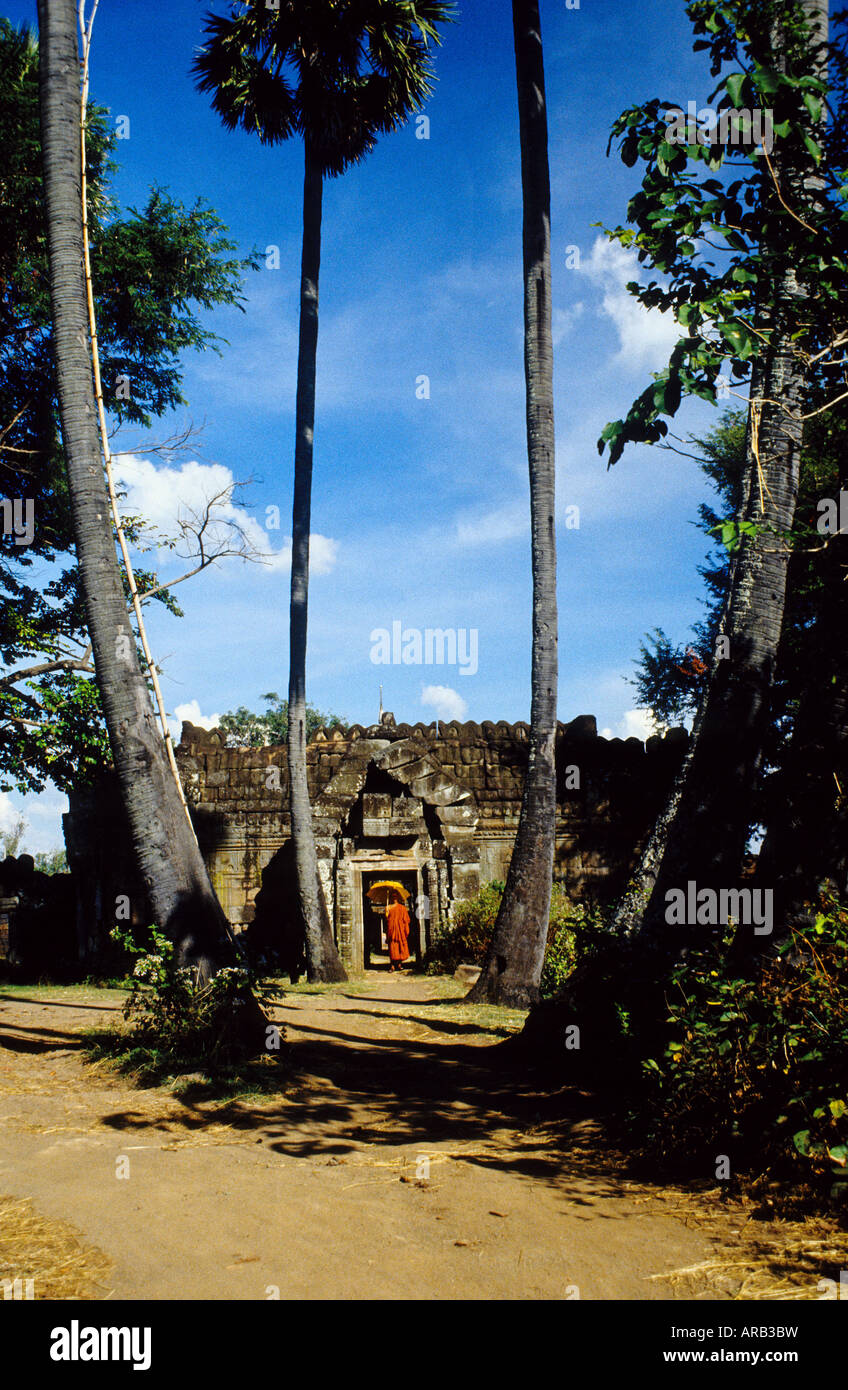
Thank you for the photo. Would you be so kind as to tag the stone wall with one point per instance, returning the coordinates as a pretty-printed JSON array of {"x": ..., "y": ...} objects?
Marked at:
[
  {"x": 434, "y": 805},
  {"x": 37, "y": 917},
  {"x": 442, "y": 800}
]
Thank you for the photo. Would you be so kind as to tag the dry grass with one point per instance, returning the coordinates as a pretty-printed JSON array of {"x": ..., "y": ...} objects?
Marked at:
[
  {"x": 486, "y": 1019},
  {"x": 768, "y": 1261},
  {"x": 51, "y": 1253},
  {"x": 102, "y": 996},
  {"x": 450, "y": 1007},
  {"x": 475, "y": 1022},
  {"x": 355, "y": 984}
]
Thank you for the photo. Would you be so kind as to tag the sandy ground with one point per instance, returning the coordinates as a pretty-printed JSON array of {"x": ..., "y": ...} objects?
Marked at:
[{"x": 396, "y": 1162}]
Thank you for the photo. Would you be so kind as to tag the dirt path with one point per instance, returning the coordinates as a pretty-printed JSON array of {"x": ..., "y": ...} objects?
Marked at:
[{"x": 396, "y": 1162}]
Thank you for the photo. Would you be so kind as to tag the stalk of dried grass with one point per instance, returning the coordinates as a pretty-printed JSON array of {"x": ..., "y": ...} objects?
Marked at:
[{"x": 51, "y": 1253}]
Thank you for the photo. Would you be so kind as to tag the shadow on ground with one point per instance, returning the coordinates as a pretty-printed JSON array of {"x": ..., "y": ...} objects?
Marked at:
[
  {"x": 345, "y": 1092},
  {"x": 343, "y": 1089}
]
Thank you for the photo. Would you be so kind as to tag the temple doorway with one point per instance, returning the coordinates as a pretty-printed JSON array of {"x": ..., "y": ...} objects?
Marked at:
[{"x": 375, "y": 946}]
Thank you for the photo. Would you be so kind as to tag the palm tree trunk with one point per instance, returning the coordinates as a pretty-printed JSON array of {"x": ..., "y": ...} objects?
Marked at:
[
  {"x": 513, "y": 965},
  {"x": 171, "y": 866},
  {"x": 322, "y": 957}
]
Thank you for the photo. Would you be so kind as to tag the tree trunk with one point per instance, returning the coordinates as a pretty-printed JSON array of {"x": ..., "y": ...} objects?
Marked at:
[
  {"x": 702, "y": 834},
  {"x": 171, "y": 866},
  {"x": 322, "y": 957},
  {"x": 806, "y": 843},
  {"x": 513, "y": 965}
]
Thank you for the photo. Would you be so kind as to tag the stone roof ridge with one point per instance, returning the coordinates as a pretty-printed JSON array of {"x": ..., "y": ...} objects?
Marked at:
[
  {"x": 466, "y": 731},
  {"x": 653, "y": 743},
  {"x": 585, "y": 725},
  {"x": 195, "y": 737}
]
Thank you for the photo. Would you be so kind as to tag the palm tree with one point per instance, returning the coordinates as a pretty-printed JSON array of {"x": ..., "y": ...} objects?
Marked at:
[
  {"x": 513, "y": 966},
  {"x": 180, "y": 894},
  {"x": 337, "y": 74}
]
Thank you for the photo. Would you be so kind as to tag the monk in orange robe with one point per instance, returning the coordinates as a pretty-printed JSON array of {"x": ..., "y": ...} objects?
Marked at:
[{"x": 397, "y": 934}]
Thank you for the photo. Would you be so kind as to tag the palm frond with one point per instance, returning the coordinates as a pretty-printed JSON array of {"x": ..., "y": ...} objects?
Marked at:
[
  {"x": 247, "y": 91},
  {"x": 337, "y": 72}
]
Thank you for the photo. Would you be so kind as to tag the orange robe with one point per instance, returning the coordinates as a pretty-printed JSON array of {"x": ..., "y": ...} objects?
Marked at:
[{"x": 397, "y": 932}]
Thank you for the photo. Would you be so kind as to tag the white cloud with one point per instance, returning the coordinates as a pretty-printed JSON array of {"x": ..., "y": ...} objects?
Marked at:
[
  {"x": 163, "y": 495},
  {"x": 8, "y": 813},
  {"x": 646, "y": 336},
  {"x": 191, "y": 713},
  {"x": 47, "y": 808},
  {"x": 563, "y": 320},
  {"x": 447, "y": 703},
  {"x": 490, "y": 528},
  {"x": 637, "y": 723},
  {"x": 323, "y": 553},
  {"x": 43, "y": 817}
]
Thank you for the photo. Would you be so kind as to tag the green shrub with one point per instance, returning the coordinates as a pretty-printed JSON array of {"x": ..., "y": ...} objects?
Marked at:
[
  {"x": 567, "y": 923},
  {"x": 755, "y": 1067},
  {"x": 178, "y": 1022},
  {"x": 467, "y": 940}
]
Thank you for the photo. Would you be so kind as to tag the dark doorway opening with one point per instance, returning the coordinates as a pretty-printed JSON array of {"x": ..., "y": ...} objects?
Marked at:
[{"x": 375, "y": 947}]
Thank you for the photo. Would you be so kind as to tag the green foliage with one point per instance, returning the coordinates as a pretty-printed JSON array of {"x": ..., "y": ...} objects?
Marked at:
[
  {"x": 53, "y": 861},
  {"x": 755, "y": 1065},
  {"x": 721, "y": 246},
  {"x": 175, "y": 1021},
  {"x": 666, "y": 682},
  {"x": 66, "y": 739},
  {"x": 152, "y": 270},
  {"x": 245, "y": 729},
  {"x": 565, "y": 921},
  {"x": 10, "y": 840},
  {"x": 467, "y": 940},
  {"x": 732, "y": 532}
]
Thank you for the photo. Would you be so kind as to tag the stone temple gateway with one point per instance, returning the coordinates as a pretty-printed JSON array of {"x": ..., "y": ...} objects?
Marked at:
[{"x": 435, "y": 807}]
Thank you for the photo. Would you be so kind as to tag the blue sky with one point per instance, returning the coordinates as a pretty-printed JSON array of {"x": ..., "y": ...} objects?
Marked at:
[{"x": 420, "y": 505}]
